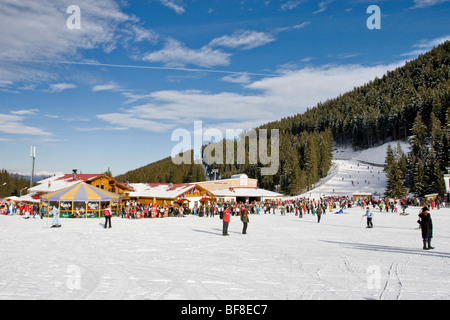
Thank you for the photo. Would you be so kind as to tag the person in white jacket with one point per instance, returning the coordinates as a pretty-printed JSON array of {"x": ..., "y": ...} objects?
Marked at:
[
  {"x": 55, "y": 221},
  {"x": 369, "y": 216}
]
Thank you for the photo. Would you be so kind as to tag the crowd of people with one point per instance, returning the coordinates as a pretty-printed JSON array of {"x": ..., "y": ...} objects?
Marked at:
[
  {"x": 25, "y": 209},
  {"x": 299, "y": 206}
]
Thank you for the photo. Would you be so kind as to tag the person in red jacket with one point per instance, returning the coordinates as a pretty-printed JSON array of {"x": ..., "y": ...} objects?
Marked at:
[
  {"x": 226, "y": 221},
  {"x": 107, "y": 216}
]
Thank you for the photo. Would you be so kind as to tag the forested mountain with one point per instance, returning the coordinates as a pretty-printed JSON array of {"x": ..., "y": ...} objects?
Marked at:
[
  {"x": 11, "y": 184},
  {"x": 382, "y": 110}
]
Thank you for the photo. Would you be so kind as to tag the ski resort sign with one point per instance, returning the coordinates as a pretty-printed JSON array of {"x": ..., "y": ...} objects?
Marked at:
[{"x": 213, "y": 151}]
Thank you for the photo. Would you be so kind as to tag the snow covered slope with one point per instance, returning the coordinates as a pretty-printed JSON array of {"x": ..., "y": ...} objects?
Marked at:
[
  {"x": 355, "y": 172},
  {"x": 375, "y": 155}
]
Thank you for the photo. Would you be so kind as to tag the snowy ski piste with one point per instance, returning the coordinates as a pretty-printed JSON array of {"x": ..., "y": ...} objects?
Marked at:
[{"x": 280, "y": 258}]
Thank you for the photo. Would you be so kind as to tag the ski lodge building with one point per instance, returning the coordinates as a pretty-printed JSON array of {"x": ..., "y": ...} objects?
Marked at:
[{"x": 239, "y": 188}]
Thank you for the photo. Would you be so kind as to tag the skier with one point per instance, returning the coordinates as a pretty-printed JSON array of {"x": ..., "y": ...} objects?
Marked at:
[
  {"x": 226, "y": 221},
  {"x": 244, "y": 219},
  {"x": 426, "y": 224},
  {"x": 319, "y": 213},
  {"x": 369, "y": 216},
  {"x": 55, "y": 222}
]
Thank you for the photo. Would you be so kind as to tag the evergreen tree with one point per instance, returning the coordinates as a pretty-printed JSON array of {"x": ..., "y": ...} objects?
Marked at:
[
  {"x": 11, "y": 184},
  {"x": 402, "y": 162},
  {"x": 390, "y": 159},
  {"x": 108, "y": 173},
  {"x": 418, "y": 138},
  {"x": 434, "y": 178},
  {"x": 419, "y": 179},
  {"x": 395, "y": 187}
]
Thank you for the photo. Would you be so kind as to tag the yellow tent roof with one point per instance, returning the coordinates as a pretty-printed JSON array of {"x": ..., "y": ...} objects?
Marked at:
[{"x": 81, "y": 192}]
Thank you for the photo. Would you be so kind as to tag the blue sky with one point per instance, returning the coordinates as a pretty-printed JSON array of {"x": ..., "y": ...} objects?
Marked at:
[{"x": 110, "y": 93}]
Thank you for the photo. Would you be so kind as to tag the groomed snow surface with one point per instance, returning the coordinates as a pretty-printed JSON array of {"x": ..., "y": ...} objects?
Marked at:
[
  {"x": 355, "y": 172},
  {"x": 281, "y": 257}
]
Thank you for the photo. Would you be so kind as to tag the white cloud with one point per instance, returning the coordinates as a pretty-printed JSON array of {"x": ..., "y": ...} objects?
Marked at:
[
  {"x": 174, "y": 5},
  {"x": 13, "y": 124},
  {"x": 241, "y": 78},
  {"x": 36, "y": 31},
  {"x": 323, "y": 6},
  {"x": 297, "y": 90},
  {"x": 272, "y": 98},
  {"x": 243, "y": 39},
  {"x": 290, "y": 5},
  {"x": 25, "y": 112},
  {"x": 59, "y": 87},
  {"x": 134, "y": 121},
  {"x": 142, "y": 34},
  {"x": 93, "y": 129},
  {"x": 427, "y": 3},
  {"x": 294, "y": 27},
  {"x": 106, "y": 87},
  {"x": 176, "y": 54},
  {"x": 425, "y": 45}
]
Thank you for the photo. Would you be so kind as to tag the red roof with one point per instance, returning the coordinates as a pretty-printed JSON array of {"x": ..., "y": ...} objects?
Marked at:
[{"x": 80, "y": 177}]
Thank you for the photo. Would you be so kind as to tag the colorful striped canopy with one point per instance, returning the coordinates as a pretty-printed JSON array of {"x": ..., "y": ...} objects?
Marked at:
[{"x": 81, "y": 192}]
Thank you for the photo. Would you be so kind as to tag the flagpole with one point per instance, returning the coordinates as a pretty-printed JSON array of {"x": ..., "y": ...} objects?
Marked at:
[{"x": 33, "y": 157}]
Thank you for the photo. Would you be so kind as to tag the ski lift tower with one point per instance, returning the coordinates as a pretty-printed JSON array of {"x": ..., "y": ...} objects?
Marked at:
[
  {"x": 215, "y": 171},
  {"x": 33, "y": 157}
]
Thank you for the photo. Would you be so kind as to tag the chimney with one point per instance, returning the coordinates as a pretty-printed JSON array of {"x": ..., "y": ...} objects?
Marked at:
[{"x": 74, "y": 174}]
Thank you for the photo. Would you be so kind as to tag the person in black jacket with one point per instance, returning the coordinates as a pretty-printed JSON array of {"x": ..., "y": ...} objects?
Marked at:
[
  {"x": 244, "y": 219},
  {"x": 319, "y": 213},
  {"x": 426, "y": 224}
]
